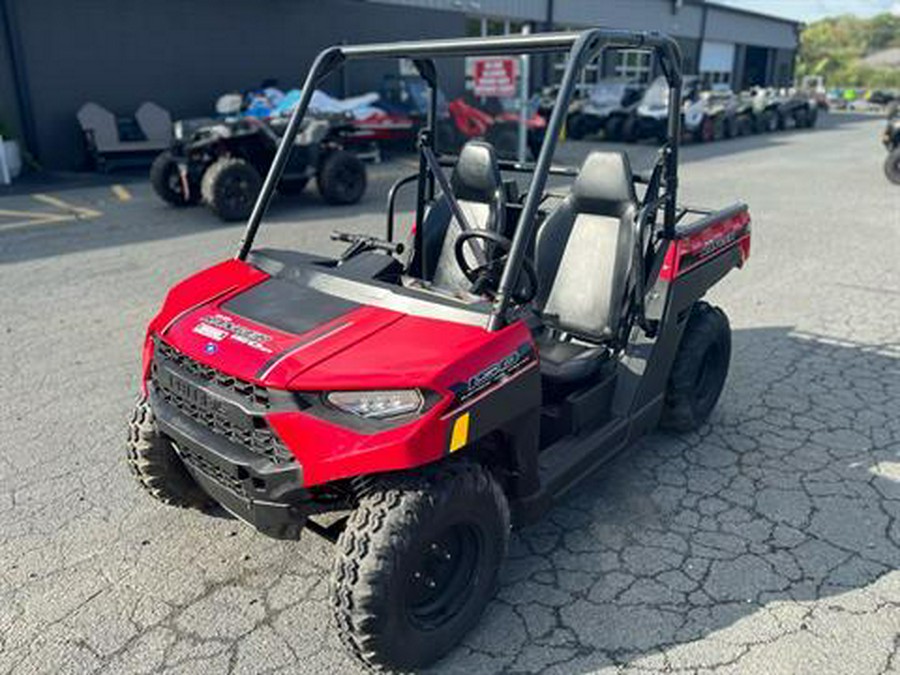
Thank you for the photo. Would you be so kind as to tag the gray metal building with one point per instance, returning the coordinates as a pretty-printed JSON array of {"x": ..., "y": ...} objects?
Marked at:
[
  {"x": 721, "y": 43},
  {"x": 57, "y": 54}
]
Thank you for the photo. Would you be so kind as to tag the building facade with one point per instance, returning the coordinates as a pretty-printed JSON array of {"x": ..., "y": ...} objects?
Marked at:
[
  {"x": 56, "y": 55},
  {"x": 721, "y": 44}
]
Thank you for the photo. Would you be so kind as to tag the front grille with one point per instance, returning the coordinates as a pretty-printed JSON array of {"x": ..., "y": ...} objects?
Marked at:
[
  {"x": 251, "y": 431},
  {"x": 222, "y": 477},
  {"x": 253, "y": 394}
]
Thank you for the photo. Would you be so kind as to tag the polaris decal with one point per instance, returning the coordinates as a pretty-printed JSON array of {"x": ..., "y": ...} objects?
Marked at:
[
  {"x": 220, "y": 326},
  {"x": 493, "y": 373},
  {"x": 210, "y": 332}
]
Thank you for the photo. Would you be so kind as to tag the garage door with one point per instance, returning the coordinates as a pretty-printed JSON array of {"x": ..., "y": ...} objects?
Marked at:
[{"x": 717, "y": 61}]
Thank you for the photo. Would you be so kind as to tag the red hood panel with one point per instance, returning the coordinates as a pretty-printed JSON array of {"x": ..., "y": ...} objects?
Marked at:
[
  {"x": 256, "y": 352},
  {"x": 365, "y": 347},
  {"x": 413, "y": 351}
]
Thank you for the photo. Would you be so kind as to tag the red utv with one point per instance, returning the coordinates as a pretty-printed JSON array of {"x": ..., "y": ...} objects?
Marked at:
[{"x": 411, "y": 408}]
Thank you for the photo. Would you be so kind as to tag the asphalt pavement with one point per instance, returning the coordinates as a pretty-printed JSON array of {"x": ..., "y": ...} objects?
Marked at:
[{"x": 768, "y": 542}]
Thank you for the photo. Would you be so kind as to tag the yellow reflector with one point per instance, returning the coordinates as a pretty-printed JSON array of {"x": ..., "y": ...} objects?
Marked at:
[{"x": 460, "y": 435}]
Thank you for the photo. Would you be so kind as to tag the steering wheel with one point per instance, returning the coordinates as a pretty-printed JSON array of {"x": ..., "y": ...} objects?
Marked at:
[{"x": 486, "y": 276}]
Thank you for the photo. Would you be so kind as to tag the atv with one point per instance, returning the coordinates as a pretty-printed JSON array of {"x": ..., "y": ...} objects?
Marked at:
[
  {"x": 411, "y": 405},
  {"x": 701, "y": 121},
  {"x": 605, "y": 109},
  {"x": 493, "y": 121},
  {"x": 223, "y": 163},
  {"x": 796, "y": 109},
  {"x": 763, "y": 109},
  {"x": 891, "y": 140}
]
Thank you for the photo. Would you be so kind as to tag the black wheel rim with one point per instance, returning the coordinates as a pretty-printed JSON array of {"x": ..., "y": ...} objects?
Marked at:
[
  {"x": 444, "y": 576},
  {"x": 709, "y": 378},
  {"x": 347, "y": 182},
  {"x": 235, "y": 193},
  {"x": 173, "y": 184}
]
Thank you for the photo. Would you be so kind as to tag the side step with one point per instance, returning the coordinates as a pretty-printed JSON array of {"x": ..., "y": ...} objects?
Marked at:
[{"x": 564, "y": 464}]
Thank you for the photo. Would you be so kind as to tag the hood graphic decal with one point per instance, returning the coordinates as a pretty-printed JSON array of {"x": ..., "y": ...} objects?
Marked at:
[
  {"x": 288, "y": 307},
  {"x": 308, "y": 340}
]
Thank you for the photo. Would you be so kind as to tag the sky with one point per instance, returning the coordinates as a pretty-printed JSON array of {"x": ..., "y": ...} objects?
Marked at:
[{"x": 810, "y": 10}]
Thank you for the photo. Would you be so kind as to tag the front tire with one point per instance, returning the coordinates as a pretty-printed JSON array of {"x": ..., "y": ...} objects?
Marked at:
[
  {"x": 156, "y": 466},
  {"x": 166, "y": 181},
  {"x": 229, "y": 187},
  {"x": 892, "y": 166},
  {"x": 342, "y": 178},
  {"x": 417, "y": 564},
  {"x": 699, "y": 371}
]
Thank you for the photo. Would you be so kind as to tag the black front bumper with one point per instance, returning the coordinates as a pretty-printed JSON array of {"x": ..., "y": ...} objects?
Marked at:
[{"x": 264, "y": 494}]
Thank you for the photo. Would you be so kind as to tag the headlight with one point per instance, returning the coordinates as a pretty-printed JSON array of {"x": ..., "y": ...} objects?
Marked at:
[
  {"x": 178, "y": 130},
  {"x": 377, "y": 404}
]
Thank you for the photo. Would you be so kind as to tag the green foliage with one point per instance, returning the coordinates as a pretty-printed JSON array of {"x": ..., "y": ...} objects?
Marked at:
[{"x": 834, "y": 47}]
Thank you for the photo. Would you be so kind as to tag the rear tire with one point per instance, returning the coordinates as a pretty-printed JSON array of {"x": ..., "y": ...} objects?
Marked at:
[
  {"x": 613, "y": 128},
  {"x": 342, "y": 178},
  {"x": 630, "y": 130},
  {"x": 730, "y": 127},
  {"x": 718, "y": 128},
  {"x": 166, "y": 181},
  {"x": 892, "y": 166},
  {"x": 706, "y": 132},
  {"x": 699, "y": 371},
  {"x": 780, "y": 122},
  {"x": 230, "y": 186},
  {"x": 417, "y": 564},
  {"x": 577, "y": 127},
  {"x": 156, "y": 466},
  {"x": 812, "y": 117}
]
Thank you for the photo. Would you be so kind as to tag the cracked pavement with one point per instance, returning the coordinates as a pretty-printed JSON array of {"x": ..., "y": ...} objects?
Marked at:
[{"x": 768, "y": 542}]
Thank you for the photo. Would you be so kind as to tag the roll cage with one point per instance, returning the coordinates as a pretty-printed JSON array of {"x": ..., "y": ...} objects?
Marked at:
[{"x": 582, "y": 47}]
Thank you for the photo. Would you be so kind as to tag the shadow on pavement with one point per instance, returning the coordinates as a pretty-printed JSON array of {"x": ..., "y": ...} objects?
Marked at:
[{"x": 790, "y": 495}]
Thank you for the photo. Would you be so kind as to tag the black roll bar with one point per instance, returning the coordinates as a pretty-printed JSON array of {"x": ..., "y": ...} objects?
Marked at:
[{"x": 581, "y": 46}]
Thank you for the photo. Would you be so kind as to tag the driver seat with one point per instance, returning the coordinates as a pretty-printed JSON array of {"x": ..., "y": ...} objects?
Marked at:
[
  {"x": 478, "y": 188},
  {"x": 583, "y": 257}
]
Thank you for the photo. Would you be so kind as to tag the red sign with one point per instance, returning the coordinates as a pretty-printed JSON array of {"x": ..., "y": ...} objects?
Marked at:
[{"x": 495, "y": 76}]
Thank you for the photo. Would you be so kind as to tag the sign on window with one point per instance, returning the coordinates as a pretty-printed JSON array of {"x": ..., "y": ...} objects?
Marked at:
[{"x": 495, "y": 77}]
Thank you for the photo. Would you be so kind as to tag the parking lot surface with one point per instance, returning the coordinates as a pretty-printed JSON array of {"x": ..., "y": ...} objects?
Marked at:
[{"x": 767, "y": 543}]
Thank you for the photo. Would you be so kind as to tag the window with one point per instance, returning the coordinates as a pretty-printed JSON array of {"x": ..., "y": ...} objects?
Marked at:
[
  {"x": 711, "y": 78},
  {"x": 589, "y": 74},
  {"x": 482, "y": 26},
  {"x": 633, "y": 65},
  {"x": 473, "y": 27}
]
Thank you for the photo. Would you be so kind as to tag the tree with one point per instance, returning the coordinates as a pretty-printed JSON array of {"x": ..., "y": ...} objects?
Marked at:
[{"x": 833, "y": 48}]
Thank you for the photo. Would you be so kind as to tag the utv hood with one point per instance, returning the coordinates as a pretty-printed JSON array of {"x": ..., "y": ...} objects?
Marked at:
[{"x": 284, "y": 335}]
